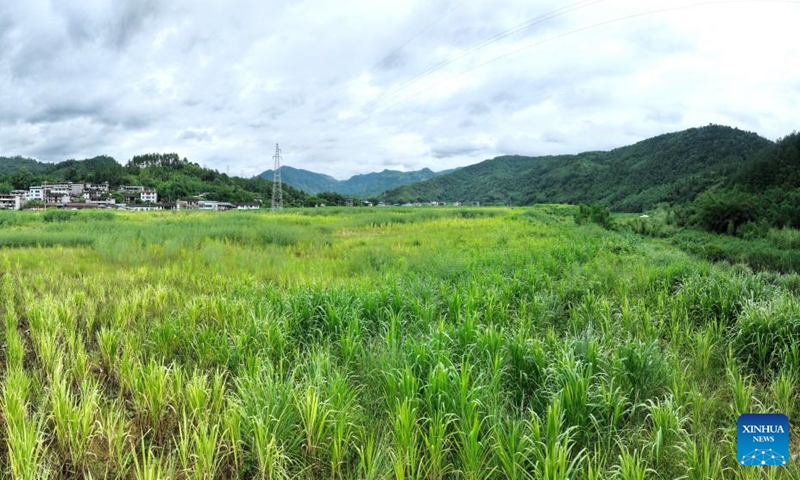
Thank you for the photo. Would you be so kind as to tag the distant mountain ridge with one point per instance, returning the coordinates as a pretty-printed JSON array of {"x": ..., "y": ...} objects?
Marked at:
[
  {"x": 364, "y": 185},
  {"x": 673, "y": 167}
]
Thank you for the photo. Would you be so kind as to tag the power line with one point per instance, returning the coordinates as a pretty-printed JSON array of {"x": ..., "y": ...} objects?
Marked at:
[
  {"x": 565, "y": 34},
  {"x": 485, "y": 43},
  {"x": 473, "y": 48},
  {"x": 417, "y": 35},
  {"x": 399, "y": 48},
  {"x": 550, "y": 39}
]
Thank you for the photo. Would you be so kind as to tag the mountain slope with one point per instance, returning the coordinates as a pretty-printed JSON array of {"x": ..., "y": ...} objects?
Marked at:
[
  {"x": 771, "y": 180},
  {"x": 10, "y": 165},
  {"x": 775, "y": 167},
  {"x": 305, "y": 180},
  {"x": 375, "y": 183},
  {"x": 668, "y": 168},
  {"x": 174, "y": 178},
  {"x": 366, "y": 185}
]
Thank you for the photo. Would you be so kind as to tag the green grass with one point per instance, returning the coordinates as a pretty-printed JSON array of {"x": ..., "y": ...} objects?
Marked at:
[{"x": 381, "y": 343}]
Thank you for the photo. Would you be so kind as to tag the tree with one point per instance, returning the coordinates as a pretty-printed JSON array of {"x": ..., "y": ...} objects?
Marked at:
[
  {"x": 22, "y": 178},
  {"x": 595, "y": 214},
  {"x": 725, "y": 211}
]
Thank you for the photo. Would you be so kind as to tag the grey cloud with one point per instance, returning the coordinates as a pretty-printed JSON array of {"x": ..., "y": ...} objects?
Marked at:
[
  {"x": 53, "y": 149},
  {"x": 115, "y": 23},
  {"x": 393, "y": 61},
  {"x": 555, "y": 137},
  {"x": 664, "y": 116},
  {"x": 66, "y": 110},
  {"x": 447, "y": 152},
  {"x": 123, "y": 77},
  {"x": 196, "y": 135},
  {"x": 131, "y": 16},
  {"x": 478, "y": 109}
]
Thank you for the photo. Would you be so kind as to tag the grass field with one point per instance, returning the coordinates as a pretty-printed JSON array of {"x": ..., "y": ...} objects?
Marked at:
[{"x": 380, "y": 343}]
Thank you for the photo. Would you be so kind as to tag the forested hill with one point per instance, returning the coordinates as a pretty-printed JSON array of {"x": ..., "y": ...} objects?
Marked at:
[
  {"x": 673, "y": 167},
  {"x": 766, "y": 190},
  {"x": 9, "y": 165},
  {"x": 364, "y": 186},
  {"x": 776, "y": 167},
  {"x": 173, "y": 177},
  {"x": 305, "y": 180}
]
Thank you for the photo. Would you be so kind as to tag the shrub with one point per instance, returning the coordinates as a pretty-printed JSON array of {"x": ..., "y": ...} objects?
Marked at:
[
  {"x": 724, "y": 212},
  {"x": 595, "y": 214}
]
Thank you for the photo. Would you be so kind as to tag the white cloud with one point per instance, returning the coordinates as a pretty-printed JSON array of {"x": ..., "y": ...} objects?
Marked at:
[{"x": 222, "y": 82}]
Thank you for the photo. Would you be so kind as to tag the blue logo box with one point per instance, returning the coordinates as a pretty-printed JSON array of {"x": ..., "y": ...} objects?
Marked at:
[{"x": 762, "y": 439}]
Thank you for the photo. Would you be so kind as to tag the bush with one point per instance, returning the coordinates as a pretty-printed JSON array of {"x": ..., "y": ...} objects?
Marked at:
[
  {"x": 724, "y": 212},
  {"x": 595, "y": 214}
]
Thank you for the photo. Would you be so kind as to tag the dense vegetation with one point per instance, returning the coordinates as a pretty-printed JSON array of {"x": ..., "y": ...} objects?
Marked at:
[
  {"x": 395, "y": 343},
  {"x": 173, "y": 177},
  {"x": 669, "y": 168},
  {"x": 765, "y": 191},
  {"x": 749, "y": 218},
  {"x": 363, "y": 186}
]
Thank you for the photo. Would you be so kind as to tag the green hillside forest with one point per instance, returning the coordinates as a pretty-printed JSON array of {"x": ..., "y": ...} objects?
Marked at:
[
  {"x": 363, "y": 186},
  {"x": 174, "y": 178},
  {"x": 447, "y": 343},
  {"x": 673, "y": 167}
]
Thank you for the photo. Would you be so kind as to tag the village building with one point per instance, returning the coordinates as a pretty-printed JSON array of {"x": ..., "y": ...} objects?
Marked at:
[
  {"x": 10, "y": 202},
  {"x": 148, "y": 196},
  {"x": 248, "y": 206},
  {"x": 212, "y": 205}
]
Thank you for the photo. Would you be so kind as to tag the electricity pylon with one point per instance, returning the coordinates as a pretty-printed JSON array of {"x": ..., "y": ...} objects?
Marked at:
[{"x": 277, "y": 190}]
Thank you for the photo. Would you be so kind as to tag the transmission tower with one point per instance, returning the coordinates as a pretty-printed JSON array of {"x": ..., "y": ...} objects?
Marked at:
[{"x": 277, "y": 190}]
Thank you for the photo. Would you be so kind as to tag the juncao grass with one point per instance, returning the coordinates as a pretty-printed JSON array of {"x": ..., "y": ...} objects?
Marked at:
[{"x": 368, "y": 343}]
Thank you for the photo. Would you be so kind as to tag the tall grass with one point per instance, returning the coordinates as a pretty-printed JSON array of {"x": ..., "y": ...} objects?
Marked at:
[{"x": 375, "y": 344}]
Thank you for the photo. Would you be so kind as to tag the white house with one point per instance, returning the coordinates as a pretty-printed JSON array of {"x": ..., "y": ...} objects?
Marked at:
[
  {"x": 248, "y": 206},
  {"x": 212, "y": 205},
  {"x": 149, "y": 196},
  {"x": 10, "y": 202},
  {"x": 144, "y": 208},
  {"x": 36, "y": 193},
  {"x": 23, "y": 194}
]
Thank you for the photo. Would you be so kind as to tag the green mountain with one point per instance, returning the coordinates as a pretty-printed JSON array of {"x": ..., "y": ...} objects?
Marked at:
[
  {"x": 173, "y": 177},
  {"x": 375, "y": 183},
  {"x": 673, "y": 167},
  {"x": 366, "y": 185},
  {"x": 305, "y": 180},
  {"x": 775, "y": 167},
  {"x": 765, "y": 189}
]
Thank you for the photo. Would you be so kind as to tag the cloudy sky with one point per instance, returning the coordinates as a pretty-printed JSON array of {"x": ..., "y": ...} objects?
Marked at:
[{"x": 352, "y": 86}]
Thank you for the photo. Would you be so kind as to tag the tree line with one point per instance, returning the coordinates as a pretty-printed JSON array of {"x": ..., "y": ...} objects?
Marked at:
[{"x": 174, "y": 178}]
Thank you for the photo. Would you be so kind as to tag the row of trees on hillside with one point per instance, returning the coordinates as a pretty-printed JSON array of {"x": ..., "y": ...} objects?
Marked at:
[
  {"x": 765, "y": 191},
  {"x": 173, "y": 177}
]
